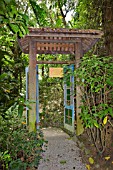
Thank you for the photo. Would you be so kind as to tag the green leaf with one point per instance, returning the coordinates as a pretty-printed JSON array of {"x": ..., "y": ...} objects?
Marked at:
[
  {"x": 96, "y": 124},
  {"x": 62, "y": 161},
  {"x": 14, "y": 28},
  {"x": 20, "y": 110},
  {"x": 110, "y": 110},
  {"x": 2, "y": 76},
  {"x": 7, "y": 1}
]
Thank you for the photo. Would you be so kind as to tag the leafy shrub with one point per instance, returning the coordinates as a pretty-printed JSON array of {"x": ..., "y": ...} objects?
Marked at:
[
  {"x": 95, "y": 76},
  {"x": 20, "y": 149}
]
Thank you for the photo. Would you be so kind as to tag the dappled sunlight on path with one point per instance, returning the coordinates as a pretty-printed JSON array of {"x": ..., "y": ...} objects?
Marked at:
[{"x": 62, "y": 152}]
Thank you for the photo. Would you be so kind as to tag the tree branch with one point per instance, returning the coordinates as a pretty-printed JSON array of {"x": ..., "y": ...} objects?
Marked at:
[{"x": 63, "y": 16}]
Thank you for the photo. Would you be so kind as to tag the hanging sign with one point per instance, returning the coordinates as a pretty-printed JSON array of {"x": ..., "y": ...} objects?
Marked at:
[{"x": 55, "y": 72}]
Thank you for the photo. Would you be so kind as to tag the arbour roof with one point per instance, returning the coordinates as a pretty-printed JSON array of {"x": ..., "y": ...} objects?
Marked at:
[{"x": 59, "y": 40}]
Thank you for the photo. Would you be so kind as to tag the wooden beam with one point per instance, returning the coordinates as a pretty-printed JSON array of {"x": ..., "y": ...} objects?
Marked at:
[
  {"x": 32, "y": 85},
  {"x": 50, "y": 52},
  {"x": 78, "y": 56},
  {"x": 61, "y": 41},
  {"x": 55, "y": 62},
  {"x": 75, "y": 35},
  {"x": 62, "y": 30}
]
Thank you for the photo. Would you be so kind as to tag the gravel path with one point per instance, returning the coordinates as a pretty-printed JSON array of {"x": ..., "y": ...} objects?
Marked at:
[{"x": 62, "y": 153}]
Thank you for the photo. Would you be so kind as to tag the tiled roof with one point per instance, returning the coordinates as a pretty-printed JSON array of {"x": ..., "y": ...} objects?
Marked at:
[{"x": 59, "y": 40}]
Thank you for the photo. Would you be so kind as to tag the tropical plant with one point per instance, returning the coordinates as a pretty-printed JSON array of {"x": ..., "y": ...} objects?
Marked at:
[
  {"x": 21, "y": 149},
  {"x": 13, "y": 24},
  {"x": 96, "y": 81}
]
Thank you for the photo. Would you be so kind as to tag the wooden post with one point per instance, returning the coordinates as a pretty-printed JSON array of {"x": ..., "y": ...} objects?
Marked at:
[
  {"x": 32, "y": 85},
  {"x": 78, "y": 56}
]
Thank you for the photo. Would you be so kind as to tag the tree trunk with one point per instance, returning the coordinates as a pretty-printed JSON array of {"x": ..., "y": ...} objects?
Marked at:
[{"x": 107, "y": 21}]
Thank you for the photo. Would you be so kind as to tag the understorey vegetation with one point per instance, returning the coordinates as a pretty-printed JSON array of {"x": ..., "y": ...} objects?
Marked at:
[
  {"x": 19, "y": 148},
  {"x": 96, "y": 81}
]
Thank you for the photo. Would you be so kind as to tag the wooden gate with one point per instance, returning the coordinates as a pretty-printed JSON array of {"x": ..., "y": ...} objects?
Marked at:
[{"x": 74, "y": 42}]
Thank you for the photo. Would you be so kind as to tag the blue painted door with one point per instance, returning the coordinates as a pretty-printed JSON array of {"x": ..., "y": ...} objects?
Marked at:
[
  {"x": 37, "y": 96},
  {"x": 69, "y": 115}
]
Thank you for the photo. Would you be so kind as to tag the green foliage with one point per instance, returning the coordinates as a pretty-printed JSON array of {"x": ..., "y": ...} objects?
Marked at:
[
  {"x": 5, "y": 159},
  {"x": 51, "y": 102},
  {"x": 7, "y": 92},
  {"x": 96, "y": 77},
  {"x": 51, "y": 96},
  {"x": 96, "y": 80},
  {"x": 95, "y": 73},
  {"x": 21, "y": 148},
  {"x": 52, "y": 13},
  {"x": 67, "y": 72},
  {"x": 40, "y": 11},
  {"x": 13, "y": 24},
  {"x": 88, "y": 14},
  {"x": 12, "y": 19}
]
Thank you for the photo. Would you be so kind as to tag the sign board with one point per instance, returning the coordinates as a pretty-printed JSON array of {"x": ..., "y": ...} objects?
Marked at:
[{"x": 55, "y": 72}]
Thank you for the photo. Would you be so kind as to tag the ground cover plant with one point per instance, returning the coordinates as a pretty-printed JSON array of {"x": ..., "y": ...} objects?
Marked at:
[{"x": 19, "y": 148}]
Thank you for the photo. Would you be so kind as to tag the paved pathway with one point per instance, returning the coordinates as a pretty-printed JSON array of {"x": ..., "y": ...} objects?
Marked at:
[{"x": 62, "y": 153}]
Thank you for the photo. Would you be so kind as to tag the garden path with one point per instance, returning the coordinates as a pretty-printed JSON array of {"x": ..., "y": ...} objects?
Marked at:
[{"x": 62, "y": 152}]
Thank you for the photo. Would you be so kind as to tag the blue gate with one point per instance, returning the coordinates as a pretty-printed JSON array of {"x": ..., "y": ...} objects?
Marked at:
[{"x": 69, "y": 115}]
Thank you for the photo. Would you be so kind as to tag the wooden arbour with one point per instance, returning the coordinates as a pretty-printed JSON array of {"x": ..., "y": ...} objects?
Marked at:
[{"x": 56, "y": 41}]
